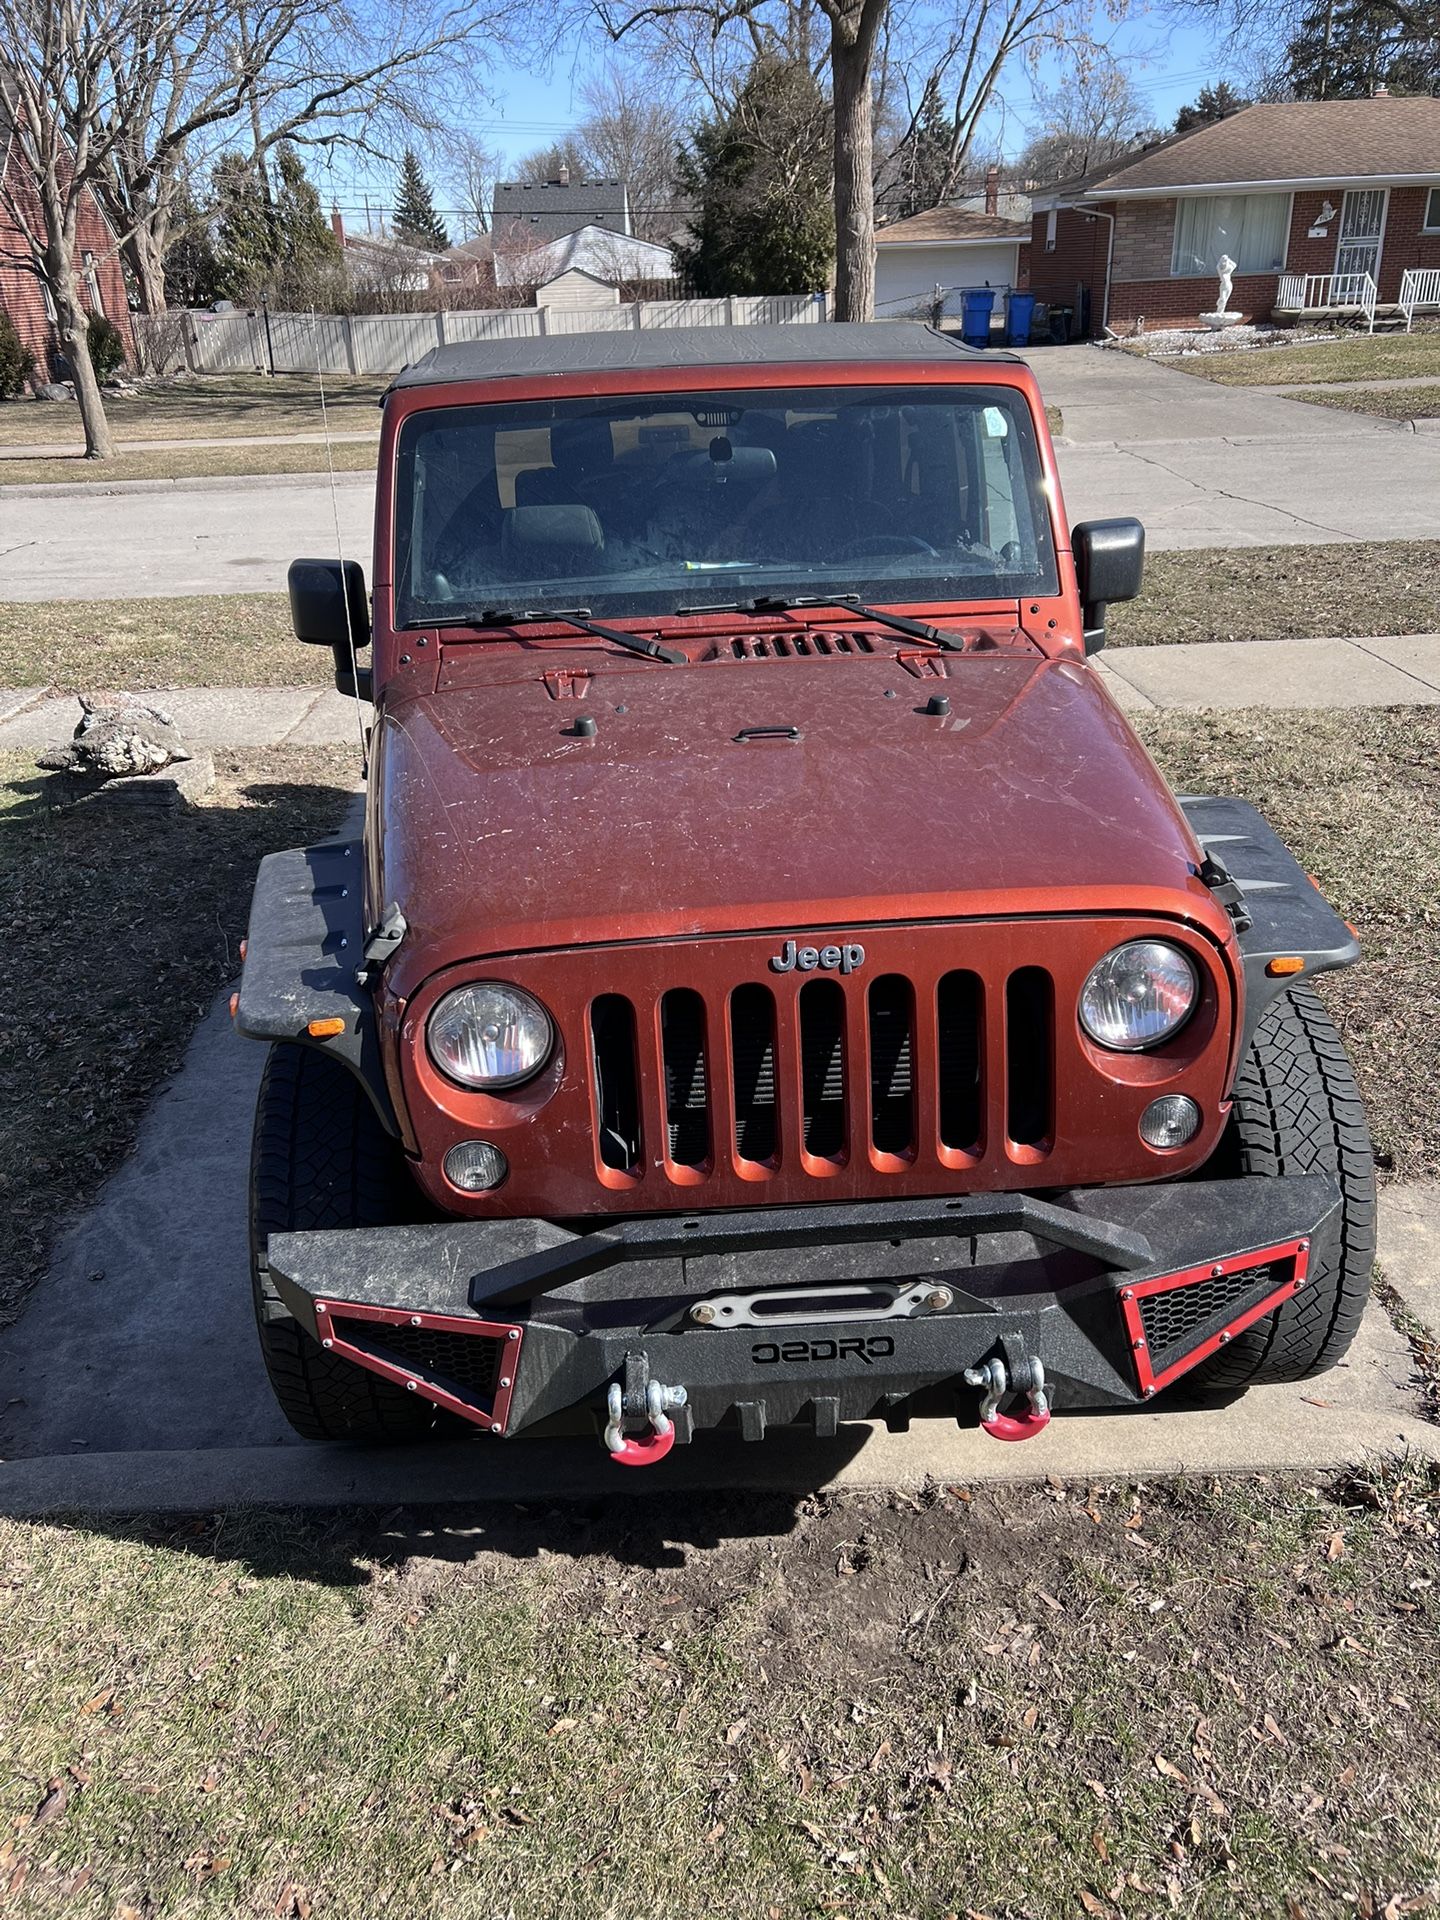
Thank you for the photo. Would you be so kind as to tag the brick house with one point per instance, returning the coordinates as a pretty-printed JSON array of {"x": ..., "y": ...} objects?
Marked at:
[
  {"x": 23, "y": 293},
  {"x": 1306, "y": 196}
]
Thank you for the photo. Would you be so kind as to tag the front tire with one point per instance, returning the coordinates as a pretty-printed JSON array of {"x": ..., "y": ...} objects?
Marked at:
[
  {"x": 322, "y": 1159},
  {"x": 1297, "y": 1110}
]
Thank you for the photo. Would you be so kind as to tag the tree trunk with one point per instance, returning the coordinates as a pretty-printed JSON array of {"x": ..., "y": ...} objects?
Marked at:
[
  {"x": 74, "y": 323},
  {"x": 850, "y": 63},
  {"x": 145, "y": 257}
]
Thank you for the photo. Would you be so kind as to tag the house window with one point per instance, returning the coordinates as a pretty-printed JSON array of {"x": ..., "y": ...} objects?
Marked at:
[
  {"x": 1250, "y": 227},
  {"x": 1052, "y": 220},
  {"x": 1432, "y": 211}
]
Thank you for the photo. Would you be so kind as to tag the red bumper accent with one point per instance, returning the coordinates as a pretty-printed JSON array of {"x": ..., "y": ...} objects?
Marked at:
[
  {"x": 490, "y": 1411},
  {"x": 1291, "y": 1258},
  {"x": 1012, "y": 1426}
]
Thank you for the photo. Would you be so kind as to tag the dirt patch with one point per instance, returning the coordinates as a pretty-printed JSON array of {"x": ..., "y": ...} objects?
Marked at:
[
  {"x": 1102, "y": 1700},
  {"x": 1356, "y": 797},
  {"x": 122, "y": 926},
  {"x": 1345, "y": 591}
]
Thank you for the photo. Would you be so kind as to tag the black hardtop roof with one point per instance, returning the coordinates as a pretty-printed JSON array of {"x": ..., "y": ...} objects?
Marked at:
[{"x": 662, "y": 348}]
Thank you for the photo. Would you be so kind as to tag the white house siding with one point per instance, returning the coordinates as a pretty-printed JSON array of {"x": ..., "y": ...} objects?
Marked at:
[
  {"x": 906, "y": 277},
  {"x": 576, "y": 289}
]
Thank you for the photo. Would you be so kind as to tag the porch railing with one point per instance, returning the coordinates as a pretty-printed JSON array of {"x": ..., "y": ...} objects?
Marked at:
[
  {"x": 1419, "y": 287},
  {"x": 1327, "y": 293}
]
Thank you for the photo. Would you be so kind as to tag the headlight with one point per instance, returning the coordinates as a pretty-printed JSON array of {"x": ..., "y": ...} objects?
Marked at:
[
  {"x": 490, "y": 1036},
  {"x": 1138, "y": 995}
]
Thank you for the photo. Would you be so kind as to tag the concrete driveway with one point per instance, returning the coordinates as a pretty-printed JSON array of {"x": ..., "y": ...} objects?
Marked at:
[
  {"x": 1201, "y": 465},
  {"x": 1210, "y": 466}
]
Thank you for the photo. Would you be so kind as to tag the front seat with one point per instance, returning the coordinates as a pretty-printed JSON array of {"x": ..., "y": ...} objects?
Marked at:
[{"x": 561, "y": 542}]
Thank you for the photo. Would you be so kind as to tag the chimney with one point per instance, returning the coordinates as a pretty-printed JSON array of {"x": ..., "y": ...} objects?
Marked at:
[
  {"x": 1379, "y": 91},
  {"x": 338, "y": 224},
  {"x": 562, "y": 179},
  {"x": 992, "y": 190}
]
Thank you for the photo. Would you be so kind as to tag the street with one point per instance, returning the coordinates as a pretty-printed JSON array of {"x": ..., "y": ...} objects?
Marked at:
[{"x": 1201, "y": 465}]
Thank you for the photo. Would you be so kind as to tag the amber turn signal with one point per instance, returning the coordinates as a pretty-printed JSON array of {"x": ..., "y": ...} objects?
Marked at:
[
  {"x": 234, "y": 1005},
  {"x": 1285, "y": 963},
  {"x": 325, "y": 1029}
]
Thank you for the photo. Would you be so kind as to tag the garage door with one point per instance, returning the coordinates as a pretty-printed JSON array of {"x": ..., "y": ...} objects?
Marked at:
[{"x": 906, "y": 277}]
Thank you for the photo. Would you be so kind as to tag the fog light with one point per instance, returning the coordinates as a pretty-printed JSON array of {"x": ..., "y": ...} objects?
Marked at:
[
  {"x": 1169, "y": 1122},
  {"x": 475, "y": 1166}
]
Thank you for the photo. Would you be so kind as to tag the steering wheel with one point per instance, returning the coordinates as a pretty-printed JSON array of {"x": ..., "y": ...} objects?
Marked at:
[{"x": 878, "y": 543}]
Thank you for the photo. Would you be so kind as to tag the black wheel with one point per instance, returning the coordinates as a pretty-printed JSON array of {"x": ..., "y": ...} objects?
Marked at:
[
  {"x": 1297, "y": 1110},
  {"x": 321, "y": 1159}
]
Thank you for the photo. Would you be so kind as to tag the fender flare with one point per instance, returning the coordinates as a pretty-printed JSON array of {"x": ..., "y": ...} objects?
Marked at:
[
  {"x": 305, "y": 961},
  {"x": 1280, "y": 912}
]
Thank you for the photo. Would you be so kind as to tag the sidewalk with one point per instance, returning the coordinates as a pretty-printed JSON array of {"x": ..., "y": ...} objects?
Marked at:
[{"x": 1402, "y": 670}]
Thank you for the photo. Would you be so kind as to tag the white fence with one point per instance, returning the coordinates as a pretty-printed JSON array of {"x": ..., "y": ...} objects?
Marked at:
[
  {"x": 385, "y": 342},
  {"x": 1327, "y": 293},
  {"x": 1419, "y": 287}
]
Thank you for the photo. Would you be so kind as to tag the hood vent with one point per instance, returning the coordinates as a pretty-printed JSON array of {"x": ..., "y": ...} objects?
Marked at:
[{"x": 801, "y": 646}]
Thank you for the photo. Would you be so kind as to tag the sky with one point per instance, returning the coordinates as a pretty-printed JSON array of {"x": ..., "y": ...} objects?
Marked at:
[{"x": 1167, "y": 65}]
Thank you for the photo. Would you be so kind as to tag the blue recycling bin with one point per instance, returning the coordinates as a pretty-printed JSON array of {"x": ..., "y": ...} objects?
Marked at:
[
  {"x": 1019, "y": 318},
  {"x": 976, "y": 306}
]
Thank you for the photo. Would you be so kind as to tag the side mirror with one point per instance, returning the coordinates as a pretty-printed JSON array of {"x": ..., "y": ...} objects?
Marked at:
[
  {"x": 1109, "y": 565},
  {"x": 329, "y": 608}
]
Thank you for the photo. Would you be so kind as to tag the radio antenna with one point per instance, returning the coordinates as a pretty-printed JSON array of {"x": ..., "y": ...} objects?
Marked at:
[{"x": 340, "y": 549}]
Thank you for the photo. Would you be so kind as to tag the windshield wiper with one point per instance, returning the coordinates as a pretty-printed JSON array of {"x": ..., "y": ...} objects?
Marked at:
[
  {"x": 773, "y": 603},
  {"x": 570, "y": 617}
]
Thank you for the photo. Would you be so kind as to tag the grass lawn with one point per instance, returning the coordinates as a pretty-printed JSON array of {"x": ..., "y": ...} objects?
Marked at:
[
  {"x": 244, "y": 640},
  {"x": 204, "y": 406},
  {"x": 189, "y": 463},
  {"x": 1391, "y": 403},
  {"x": 131, "y": 924},
  {"x": 1356, "y": 797},
  {"x": 1101, "y": 1701},
  {"x": 1276, "y": 593},
  {"x": 211, "y": 640},
  {"x": 1393, "y": 356}
]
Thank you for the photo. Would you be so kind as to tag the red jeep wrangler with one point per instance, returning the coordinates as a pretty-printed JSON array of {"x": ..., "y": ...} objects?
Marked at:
[{"x": 774, "y": 985}]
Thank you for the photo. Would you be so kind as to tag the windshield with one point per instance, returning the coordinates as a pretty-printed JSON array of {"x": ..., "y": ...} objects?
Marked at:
[{"x": 654, "y": 502}]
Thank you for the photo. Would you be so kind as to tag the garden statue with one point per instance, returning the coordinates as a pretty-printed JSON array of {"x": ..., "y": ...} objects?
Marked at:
[{"x": 1222, "y": 316}]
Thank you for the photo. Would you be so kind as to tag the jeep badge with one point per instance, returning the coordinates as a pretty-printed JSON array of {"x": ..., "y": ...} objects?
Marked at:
[{"x": 807, "y": 959}]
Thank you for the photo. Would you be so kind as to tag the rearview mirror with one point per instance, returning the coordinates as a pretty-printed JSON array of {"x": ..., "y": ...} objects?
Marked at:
[
  {"x": 329, "y": 608},
  {"x": 1109, "y": 565}
]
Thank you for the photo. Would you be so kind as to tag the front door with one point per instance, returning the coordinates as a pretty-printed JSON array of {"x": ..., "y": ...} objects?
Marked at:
[{"x": 1362, "y": 224}]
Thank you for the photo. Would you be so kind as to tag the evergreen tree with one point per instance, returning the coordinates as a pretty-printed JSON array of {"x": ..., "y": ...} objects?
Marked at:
[
  {"x": 1344, "y": 49},
  {"x": 192, "y": 272},
  {"x": 416, "y": 222},
  {"x": 759, "y": 180},
  {"x": 1211, "y": 103},
  {"x": 244, "y": 230},
  {"x": 279, "y": 248}
]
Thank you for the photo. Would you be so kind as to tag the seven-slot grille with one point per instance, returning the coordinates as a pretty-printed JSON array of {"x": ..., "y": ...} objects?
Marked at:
[{"x": 825, "y": 1072}]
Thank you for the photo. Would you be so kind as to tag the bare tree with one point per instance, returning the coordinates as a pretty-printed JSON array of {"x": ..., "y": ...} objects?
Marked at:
[
  {"x": 632, "y": 132},
  {"x": 471, "y": 168},
  {"x": 51, "y": 57},
  {"x": 1079, "y": 126},
  {"x": 317, "y": 73},
  {"x": 964, "y": 46}
]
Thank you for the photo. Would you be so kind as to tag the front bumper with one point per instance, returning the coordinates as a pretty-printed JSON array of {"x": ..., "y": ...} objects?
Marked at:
[{"x": 812, "y": 1315}]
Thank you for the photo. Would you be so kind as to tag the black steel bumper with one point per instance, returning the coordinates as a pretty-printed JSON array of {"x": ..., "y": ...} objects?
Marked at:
[{"x": 813, "y": 1314}]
